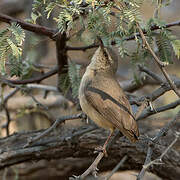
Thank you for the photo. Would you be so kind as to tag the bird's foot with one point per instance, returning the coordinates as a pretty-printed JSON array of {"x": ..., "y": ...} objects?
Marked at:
[{"x": 101, "y": 149}]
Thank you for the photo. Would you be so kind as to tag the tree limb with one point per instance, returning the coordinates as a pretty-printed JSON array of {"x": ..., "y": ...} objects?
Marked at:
[{"x": 41, "y": 30}]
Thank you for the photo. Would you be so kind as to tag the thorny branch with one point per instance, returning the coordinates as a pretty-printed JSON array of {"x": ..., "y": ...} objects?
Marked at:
[
  {"x": 156, "y": 93},
  {"x": 93, "y": 167},
  {"x": 57, "y": 122},
  {"x": 163, "y": 131},
  {"x": 159, "y": 63},
  {"x": 116, "y": 168},
  {"x": 93, "y": 45},
  {"x": 148, "y": 111}
]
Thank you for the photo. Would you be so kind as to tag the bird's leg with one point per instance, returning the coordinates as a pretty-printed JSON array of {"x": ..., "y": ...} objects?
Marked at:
[
  {"x": 103, "y": 148},
  {"x": 106, "y": 143}
]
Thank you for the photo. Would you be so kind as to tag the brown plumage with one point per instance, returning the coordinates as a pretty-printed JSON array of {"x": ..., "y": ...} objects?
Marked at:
[{"x": 102, "y": 98}]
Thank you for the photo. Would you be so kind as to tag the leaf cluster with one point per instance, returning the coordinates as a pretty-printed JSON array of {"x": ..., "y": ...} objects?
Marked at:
[
  {"x": 111, "y": 20},
  {"x": 11, "y": 43}
]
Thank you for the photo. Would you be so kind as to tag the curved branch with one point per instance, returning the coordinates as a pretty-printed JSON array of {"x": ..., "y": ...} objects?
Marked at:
[
  {"x": 32, "y": 80},
  {"x": 93, "y": 45},
  {"x": 42, "y": 30}
]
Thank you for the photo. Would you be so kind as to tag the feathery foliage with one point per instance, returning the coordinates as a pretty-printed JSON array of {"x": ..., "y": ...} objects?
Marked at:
[
  {"x": 74, "y": 76},
  {"x": 70, "y": 80},
  {"x": 112, "y": 21},
  {"x": 11, "y": 42}
]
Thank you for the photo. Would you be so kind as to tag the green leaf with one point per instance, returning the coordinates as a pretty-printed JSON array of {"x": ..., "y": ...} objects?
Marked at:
[
  {"x": 176, "y": 47},
  {"x": 50, "y": 8},
  {"x": 164, "y": 48},
  {"x": 73, "y": 72},
  {"x": 34, "y": 17}
]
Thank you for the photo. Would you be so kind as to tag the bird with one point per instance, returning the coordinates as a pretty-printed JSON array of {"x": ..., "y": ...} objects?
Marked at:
[{"x": 103, "y": 100}]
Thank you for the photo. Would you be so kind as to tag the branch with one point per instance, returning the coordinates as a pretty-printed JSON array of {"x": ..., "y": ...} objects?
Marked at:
[
  {"x": 7, "y": 97},
  {"x": 41, "y": 30},
  {"x": 157, "y": 161},
  {"x": 42, "y": 87},
  {"x": 61, "y": 55},
  {"x": 32, "y": 80},
  {"x": 156, "y": 93},
  {"x": 148, "y": 159},
  {"x": 63, "y": 143},
  {"x": 57, "y": 122},
  {"x": 150, "y": 73},
  {"x": 93, "y": 45},
  {"x": 162, "y": 132},
  {"x": 8, "y": 119},
  {"x": 116, "y": 168},
  {"x": 159, "y": 63},
  {"x": 148, "y": 111},
  {"x": 133, "y": 85},
  {"x": 93, "y": 167}
]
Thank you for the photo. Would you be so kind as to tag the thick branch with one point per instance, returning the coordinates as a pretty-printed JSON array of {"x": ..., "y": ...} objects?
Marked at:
[
  {"x": 61, "y": 55},
  {"x": 65, "y": 143}
]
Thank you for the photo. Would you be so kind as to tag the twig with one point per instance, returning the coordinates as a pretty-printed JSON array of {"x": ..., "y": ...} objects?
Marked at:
[
  {"x": 116, "y": 168},
  {"x": 150, "y": 73},
  {"x": 155, "y": 94},
  {"x": 93, "y": 167},
  {"x": 159, "y": 160},
  {"x": 148, "y": 111},
  {"x": 159, "y": 63},
  {"x": 43, "y": 87},
  {"x": 147, "y": 161},
  {"x": 132, "y": 85},
  {"x": 6, "y": 98},
  {"x": 37, "y": 102},
  {"x": 3, "y": 103},
  {"x": 140, "y": 109},
  {"x": 163, "y": 131},
  {"x": 153, "y": 28},
  {"x": 55, "y": 124},
  {"x": 8, "y": 119},
  {"x": 32, "y": 80}
]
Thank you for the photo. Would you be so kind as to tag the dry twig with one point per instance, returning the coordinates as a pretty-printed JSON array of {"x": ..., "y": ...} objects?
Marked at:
[
  {"x": 159, "y": 63},
  {"x": 163, "y": 131},
  {"x": 57, "y": 122}
]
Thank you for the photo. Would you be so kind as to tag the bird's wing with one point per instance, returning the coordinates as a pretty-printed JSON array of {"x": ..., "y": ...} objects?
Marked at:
[{"x": 117, "y": 111}]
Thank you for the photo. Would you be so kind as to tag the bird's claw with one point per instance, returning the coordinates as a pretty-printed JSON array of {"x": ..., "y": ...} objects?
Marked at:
[{"x": 102, "y": 150}]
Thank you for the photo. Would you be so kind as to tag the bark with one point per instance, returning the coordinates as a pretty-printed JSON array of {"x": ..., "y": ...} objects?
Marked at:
[{"x": 76, "y": 152}]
